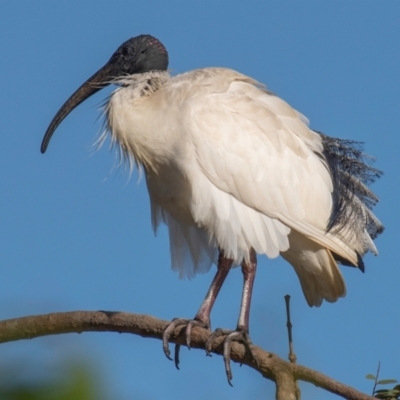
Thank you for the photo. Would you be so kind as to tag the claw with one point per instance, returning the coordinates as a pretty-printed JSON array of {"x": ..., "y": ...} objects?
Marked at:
[
  {"x": 231, "y": 336},
  {"x": 167, "y": 334},
  {"x": 190, "y": 323},
  {"x": 176, "y": 355}
]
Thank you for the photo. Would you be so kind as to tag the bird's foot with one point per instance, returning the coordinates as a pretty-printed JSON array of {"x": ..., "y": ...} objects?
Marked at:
[
  {"x": 189, "y": 323},
  {"x": 239, "y": 335}
]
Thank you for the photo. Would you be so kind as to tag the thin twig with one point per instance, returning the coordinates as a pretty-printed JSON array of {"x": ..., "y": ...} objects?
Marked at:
[
  {"x": 292, "y": 357},
  {"x": 376, "y": 377}
]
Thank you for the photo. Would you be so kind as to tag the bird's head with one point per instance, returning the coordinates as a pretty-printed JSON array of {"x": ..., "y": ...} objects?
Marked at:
[{"x": 137, "y": 55}]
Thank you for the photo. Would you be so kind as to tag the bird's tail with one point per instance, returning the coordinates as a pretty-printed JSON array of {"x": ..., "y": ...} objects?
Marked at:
[
  {"x": 351, "y": 171},
  {"x": 316, "y": 268}
]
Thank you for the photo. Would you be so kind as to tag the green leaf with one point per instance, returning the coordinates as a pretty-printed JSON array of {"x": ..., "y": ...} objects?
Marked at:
[
  {"x": 370, "y": 376},
  {"x": 387, "y": 394},
  {"x": 386, "y": 381}
]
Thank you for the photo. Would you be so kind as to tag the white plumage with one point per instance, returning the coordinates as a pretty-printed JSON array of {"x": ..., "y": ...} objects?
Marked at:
[{"x": 230, "y": 164}]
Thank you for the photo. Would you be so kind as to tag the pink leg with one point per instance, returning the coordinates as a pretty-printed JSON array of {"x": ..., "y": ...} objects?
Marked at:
[
  {"x": 241, "y": 333},
  {"x": 202, "y": 317}
]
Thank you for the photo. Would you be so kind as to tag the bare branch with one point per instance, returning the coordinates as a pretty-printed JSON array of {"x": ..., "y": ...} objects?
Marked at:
[
  {"x": 270, "y": 365},
  {"x": 329, "y": 384}
]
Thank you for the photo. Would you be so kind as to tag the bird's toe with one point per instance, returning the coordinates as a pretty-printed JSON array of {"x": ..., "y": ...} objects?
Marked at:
[
  {"x": 239, "y": 335},
  {"x": 175, "y": 323}
]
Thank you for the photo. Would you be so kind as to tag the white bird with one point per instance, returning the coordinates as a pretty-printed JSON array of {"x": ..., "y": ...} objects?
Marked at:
[{"x": 233, "y": 170}]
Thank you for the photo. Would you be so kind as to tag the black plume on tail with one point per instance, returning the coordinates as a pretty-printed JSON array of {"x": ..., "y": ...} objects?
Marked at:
[{"x": 353, "y": 200}]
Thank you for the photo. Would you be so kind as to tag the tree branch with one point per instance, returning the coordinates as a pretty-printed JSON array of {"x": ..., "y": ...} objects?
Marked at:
[{"x": 272, "y": 367}]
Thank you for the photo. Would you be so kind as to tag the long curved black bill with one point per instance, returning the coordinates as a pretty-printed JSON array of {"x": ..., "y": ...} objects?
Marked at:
[{"x": 96, "y": 82}]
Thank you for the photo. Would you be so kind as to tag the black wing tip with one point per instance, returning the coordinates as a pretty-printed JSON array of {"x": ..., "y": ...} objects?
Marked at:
[{"x": 360, "y": 262}]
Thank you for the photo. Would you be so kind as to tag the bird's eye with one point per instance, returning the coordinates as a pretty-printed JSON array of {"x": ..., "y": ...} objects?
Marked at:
[{"x": 143, "y": 51}]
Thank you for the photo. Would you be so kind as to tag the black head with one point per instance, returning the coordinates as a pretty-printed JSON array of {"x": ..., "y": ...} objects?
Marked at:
[{"x": 140, "y": 54}]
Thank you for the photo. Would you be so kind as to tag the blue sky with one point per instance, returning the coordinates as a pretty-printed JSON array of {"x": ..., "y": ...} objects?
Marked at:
[{"x": 76, "y": 233}]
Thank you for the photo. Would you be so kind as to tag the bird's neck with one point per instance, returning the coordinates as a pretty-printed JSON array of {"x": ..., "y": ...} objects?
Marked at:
[
  {"x": 145, "y": 84},
  {"x": 133, "y": 118}
]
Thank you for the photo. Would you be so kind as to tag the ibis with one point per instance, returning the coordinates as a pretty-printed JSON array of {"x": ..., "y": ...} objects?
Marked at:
[{"x": 235, "y": 171}]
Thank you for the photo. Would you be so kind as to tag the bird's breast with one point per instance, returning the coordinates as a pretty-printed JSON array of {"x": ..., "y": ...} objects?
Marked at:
[{"x": 170, "y": 190}]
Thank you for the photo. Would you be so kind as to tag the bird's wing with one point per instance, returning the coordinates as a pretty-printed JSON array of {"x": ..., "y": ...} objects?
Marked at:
[{"x": 257, "y": 163}]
